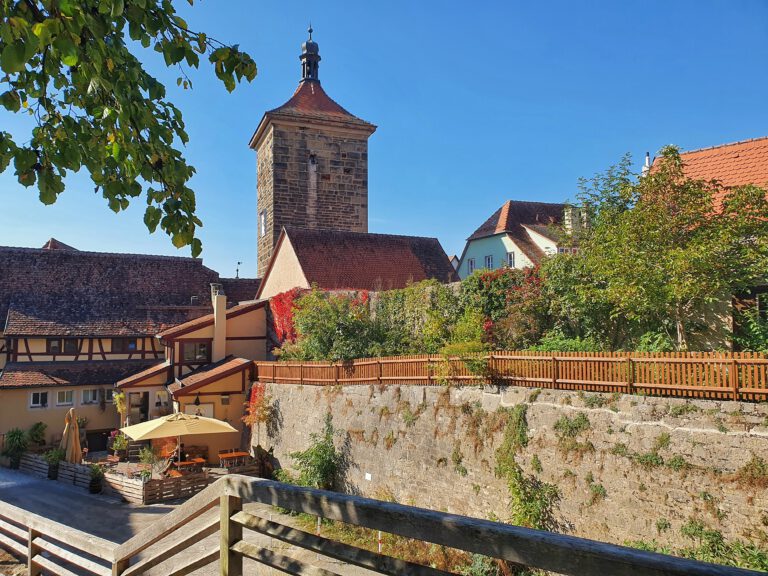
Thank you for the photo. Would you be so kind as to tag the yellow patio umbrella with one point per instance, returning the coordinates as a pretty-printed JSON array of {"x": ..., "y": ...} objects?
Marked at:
[
  {"x": 178, "y": 425},
  {"x": 70, "y": 440}
]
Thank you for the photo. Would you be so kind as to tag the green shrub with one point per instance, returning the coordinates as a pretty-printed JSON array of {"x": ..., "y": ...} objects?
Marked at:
[
  {"x": 567, "y": 427},
  {"x": 36, "y": 433},
  {"x": 480, "y": 566},
  {"x": 556, "y": 341},
  {"x": 54, "y": 456},
  {"x": 16, "y": 443},
  {"x": 319, "y": 463}
]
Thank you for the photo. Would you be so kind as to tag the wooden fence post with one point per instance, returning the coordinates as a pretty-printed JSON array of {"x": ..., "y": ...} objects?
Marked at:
[
  {"x": 119, "y": 567},
  {"x": 32, "y": 550},
  {"x": 554, "y": 372},
  {"x": 378, "y": 378},
  {"x": 336, "y": 374},
  {"x": 630, "y": 375},
  {"x": 734, "y": 377},
  {"x": 274, "y": 368},
  {"x": 301, "y": 373},
  {"x": 230, "y": 563}
]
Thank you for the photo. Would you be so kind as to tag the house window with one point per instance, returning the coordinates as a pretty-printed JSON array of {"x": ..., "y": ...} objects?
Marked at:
[
  {"x": 123, "y": 345},
  {"x": 109, "y": 395},
  {"x": 91, "y": 396},
  {"x": 567, "y": 250},
  {"x": 510, "y": 259},
  {"x": 65, "y": 398},
  {"x": 193, "y": 352},
  {"x": 471, "y": 265},
  {"x": 53, "y": 346},
  {"x": 71, "y": 346},
  {"x": 263, "y": 223},
  {"x": 38, "y": 400},
  {"x": 489, "y": 262}
]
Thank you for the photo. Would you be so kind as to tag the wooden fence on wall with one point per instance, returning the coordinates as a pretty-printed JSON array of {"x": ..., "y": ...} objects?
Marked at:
[{"x": 707, "y": 375}]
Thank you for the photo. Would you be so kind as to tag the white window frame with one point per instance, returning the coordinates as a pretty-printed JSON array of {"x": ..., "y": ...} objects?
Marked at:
[
  {"x": 40, "y": 403},
  {"x": 489, "y": 262},
  {"x": 511, "y": 259},
  {"x": 262, "y": 223},
  {"x": 109, "y": 395},
  {"x": 471, "y": 265},
  {"x": 72, "y": 398},
  {"x": 94, "y": 393}
]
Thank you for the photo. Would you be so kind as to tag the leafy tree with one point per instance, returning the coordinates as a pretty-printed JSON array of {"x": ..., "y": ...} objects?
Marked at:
[
  {"x": 71, "y": 65},
  {"x": 665, "y": 246},
  {"x": 319, "y": 463}
]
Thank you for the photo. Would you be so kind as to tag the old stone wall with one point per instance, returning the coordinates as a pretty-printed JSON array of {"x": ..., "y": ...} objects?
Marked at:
[{"x": 626, "y": 467}]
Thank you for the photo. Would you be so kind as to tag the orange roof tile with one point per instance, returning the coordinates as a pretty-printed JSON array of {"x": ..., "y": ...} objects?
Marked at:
[
  {"x": 734, "y": 164},
  {"x": 143, "y": 375},
  {"x": 207, "y": 320},
  {"x": 209, "y": 373}
]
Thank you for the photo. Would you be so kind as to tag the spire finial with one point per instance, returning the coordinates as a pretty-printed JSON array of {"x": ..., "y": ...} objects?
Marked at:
[{"x": 310, "y": 58}]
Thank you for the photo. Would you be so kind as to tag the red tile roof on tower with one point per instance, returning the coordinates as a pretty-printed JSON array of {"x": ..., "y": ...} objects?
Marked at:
[
  {"x": 54, "y": 244},
  {"x": 340, "y": 260},
  {"x": 240, "y": 289}
]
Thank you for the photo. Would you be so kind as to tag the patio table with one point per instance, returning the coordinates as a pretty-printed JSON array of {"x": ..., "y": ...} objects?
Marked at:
[{"x": 236, "y": 456}]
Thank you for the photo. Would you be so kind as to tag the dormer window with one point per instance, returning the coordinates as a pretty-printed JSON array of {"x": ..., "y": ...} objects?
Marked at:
[{"x": 196, "y": 352}]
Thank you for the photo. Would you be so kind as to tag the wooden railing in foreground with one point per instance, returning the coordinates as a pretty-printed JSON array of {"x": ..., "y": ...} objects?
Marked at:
[
  {"x": 30, "y": 536},
  {"x": 711, "y": 375}
]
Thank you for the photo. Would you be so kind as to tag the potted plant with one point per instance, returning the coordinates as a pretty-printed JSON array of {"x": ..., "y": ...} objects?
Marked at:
[
  {"x": 16, "y": 442},
  {"x": 53, "y": 457},
  {"x": 97, "y": 478},
  {"x": 36, "y": 434},
  {"x": 120, "y": 445}
]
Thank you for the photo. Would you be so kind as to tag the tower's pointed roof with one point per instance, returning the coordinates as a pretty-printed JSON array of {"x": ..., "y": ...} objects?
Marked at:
[{"x": 310, "y": 102}]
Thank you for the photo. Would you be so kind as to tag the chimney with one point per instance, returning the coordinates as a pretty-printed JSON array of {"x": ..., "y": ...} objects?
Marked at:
[
  {"x": 571, "y": 219},
  {"x": 647, "y": 164},
  {"x": 219, "y": 301}
]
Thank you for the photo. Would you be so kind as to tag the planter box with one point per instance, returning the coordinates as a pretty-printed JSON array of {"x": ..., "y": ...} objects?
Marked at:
[
  {"x": 34, "y": 464},
  {"x": 138, "y": 492},
  {"x": 76, "y": 474}
]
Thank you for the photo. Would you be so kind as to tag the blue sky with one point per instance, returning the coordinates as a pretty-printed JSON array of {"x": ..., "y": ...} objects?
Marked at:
[{"x": 476, "y": 103}]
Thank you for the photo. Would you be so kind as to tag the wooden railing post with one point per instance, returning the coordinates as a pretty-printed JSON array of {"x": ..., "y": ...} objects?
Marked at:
[
  {"x": 32, "y": 550},
  {"x": 734, "y": 377},
  {"x": 119, "y": 567},
  {"x": 630, "y": 375},
  {"x": 230, "y": 563},
  {"x": 378, "y": 377}
]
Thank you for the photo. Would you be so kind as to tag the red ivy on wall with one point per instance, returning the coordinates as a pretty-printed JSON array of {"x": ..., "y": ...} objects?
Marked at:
[{"x": 282, "y": 314}]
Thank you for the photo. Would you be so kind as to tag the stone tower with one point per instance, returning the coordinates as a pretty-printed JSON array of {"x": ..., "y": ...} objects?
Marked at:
[{"x": 312, "y": 163}]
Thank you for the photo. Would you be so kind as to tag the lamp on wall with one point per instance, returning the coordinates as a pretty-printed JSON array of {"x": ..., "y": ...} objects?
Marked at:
[{"x": 197, "y": 399}]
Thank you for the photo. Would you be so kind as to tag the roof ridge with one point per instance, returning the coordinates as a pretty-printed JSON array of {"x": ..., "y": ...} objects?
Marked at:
[
  {"x": 76, "y": 252},
  {"x": 747, "y": 141}
]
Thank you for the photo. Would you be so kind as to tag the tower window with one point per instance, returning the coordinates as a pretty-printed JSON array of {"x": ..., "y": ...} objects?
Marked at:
[{"x": 263, "y": 223}]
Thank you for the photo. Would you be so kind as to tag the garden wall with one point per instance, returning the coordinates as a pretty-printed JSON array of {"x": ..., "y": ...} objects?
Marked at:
[{"x": 630, "y": 468}]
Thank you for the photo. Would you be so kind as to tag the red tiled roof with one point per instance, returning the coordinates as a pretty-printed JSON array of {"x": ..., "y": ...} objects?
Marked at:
[
  {"x": 514, "y": 213},
  {"x": 40, "y": 374},
  {"x": 310, "y": 101},
  {"x": 339, "y": 260},
  {"x": 240, "y": 289},
  {"x": 59, "y": 292},
  {"x": 514, "y": 216},
  {"x": 54, "y": 244},
  {"x": 209, "y": 373},
  {"x": 143, "y": 375},
  {"x": 207, "y": 320},
  {"x": 734, "y": 164}
]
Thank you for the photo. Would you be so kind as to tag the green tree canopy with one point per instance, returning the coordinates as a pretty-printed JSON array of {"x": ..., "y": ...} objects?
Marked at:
[
  {"x": 663, "y": 247},
  {"x": 71, "y": 65}
]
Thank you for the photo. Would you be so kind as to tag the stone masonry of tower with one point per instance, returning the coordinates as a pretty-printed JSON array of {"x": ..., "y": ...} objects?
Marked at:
[{"x": 312, "y": 163}]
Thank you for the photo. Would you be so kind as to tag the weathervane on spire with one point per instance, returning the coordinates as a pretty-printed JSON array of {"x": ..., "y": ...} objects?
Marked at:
[{"x": 310, "y": 30}]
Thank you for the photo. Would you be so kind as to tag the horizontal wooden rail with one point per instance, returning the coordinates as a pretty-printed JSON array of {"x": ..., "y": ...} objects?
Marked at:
[
  {"x": 563, "y": 554},
  {"x": 713, "y": 375}
]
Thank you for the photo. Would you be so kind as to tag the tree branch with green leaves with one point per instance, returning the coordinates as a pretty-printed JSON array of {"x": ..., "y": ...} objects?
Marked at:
[{"x": 71, "y": 66}]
